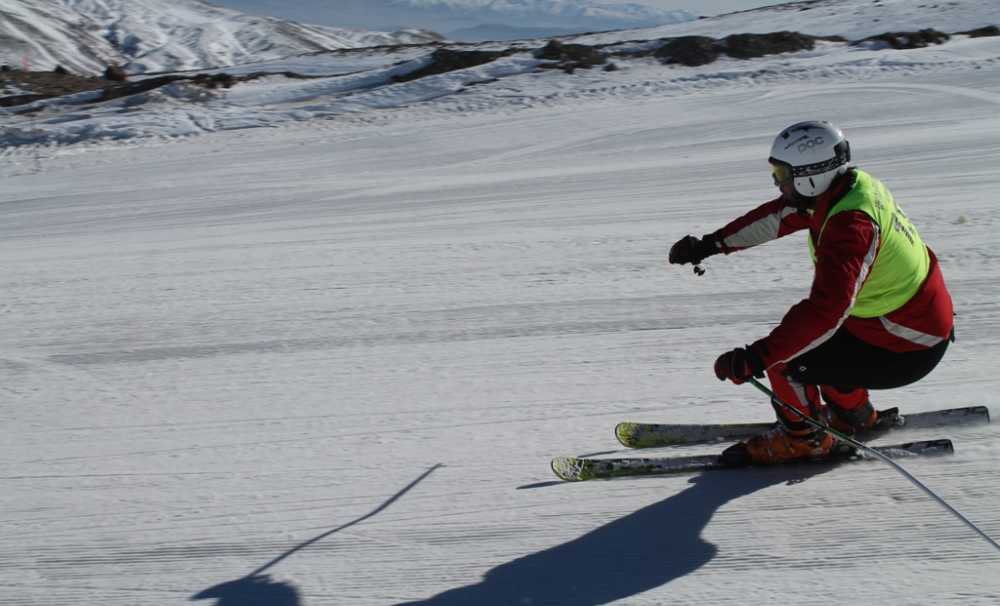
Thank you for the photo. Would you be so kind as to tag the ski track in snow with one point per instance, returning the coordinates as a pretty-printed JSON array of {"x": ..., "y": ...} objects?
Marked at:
[{"x": 220, "y": 349}]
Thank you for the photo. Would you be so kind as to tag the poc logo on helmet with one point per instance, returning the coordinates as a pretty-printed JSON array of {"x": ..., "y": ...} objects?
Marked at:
[{"x": 810, "y": 144}]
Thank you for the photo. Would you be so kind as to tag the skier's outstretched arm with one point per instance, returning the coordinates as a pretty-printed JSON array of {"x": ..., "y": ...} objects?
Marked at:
[
  {"x": 844, "y": 260},
  {"x": 767, "y": 222}
]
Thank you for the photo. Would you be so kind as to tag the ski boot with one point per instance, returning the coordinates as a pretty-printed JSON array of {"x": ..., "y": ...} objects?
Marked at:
[
  {"x": 851, "y": 412},
  {"x": 857, "y": 420},
  {"x": 781, "y": 445}
]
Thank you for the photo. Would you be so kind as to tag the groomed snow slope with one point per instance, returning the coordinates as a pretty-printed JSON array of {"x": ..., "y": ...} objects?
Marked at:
[{"x": 341, "y": 354}]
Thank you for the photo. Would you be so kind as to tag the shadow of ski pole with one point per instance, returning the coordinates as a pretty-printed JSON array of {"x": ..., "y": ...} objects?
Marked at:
[{"x": 257, "y": 588}]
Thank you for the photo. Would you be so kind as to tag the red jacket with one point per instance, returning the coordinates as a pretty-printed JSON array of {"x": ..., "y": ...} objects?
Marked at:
[{"x": 923, "y": 322}]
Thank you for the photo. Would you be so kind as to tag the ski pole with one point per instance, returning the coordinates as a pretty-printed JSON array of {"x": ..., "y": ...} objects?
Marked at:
[{"x": 841, "y": 436}]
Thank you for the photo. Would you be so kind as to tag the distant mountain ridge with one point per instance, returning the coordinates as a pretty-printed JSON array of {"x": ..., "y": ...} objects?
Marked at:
[
  {"x": 508, "y": 19},
  {"x": 482, "y": 33},
  {"x": 162, "y": 35},
  {"x": 454, "y": 18},
  {"x": 632, "y": 12}
]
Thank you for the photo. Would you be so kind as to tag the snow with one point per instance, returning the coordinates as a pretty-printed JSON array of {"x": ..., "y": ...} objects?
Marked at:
[
  {"x": 851, "y": 19},
  {"x": 345, "y": 84},
  {"x": 506, "y": 84},
  {"x": 341, "y": 353},
  {"x": 471, "y": 19}
]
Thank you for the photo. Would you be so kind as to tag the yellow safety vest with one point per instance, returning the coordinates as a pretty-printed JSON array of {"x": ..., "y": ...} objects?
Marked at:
[{"x": 902, "y": 262}]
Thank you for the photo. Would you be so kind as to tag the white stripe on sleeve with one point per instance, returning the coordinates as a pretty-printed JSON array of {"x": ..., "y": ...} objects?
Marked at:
[
  {"x": 862, "y": 276},
  {"x": 760, "y": 231}
]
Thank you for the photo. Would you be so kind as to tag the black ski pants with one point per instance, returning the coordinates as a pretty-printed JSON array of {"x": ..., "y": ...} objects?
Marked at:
[{"x": 845, "y": 363}]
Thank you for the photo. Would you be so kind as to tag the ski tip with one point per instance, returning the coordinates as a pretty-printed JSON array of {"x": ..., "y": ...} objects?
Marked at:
[
  {"x": 639, "y": 435},
  {"x": 570, "y": 469},
  {"x": 625, "y": 432},
  {"x": 941, "y": 446}
]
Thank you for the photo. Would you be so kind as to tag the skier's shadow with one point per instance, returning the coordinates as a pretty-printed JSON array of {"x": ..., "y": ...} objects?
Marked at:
[
  {"x": 633, "y": 554},
  {"x": 256, "y": 590}
]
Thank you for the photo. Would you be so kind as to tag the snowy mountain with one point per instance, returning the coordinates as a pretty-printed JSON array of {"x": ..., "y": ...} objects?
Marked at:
[
  {"x": 558, "y": 16},
  {"x": 159, "y": 35},
  {"x": 545, "y": 11},
  {"x": 471, "y": 19},
  {"x": 851, "y": 19}
]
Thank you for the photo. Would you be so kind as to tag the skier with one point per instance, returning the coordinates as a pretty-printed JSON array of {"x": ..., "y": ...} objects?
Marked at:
[{"x": 878, "y": 315}]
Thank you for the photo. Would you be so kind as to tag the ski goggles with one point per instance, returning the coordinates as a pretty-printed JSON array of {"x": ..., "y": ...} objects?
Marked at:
[{"x": 781, "y": 172}]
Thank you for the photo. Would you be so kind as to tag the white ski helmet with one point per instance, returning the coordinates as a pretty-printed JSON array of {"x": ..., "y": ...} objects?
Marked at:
[{"x": 811, "y": 154}]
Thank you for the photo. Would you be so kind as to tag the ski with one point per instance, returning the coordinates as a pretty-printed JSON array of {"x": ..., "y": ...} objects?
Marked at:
[
  {"x": 653, "y": 435},
  {"x": 573, "y": 469}
]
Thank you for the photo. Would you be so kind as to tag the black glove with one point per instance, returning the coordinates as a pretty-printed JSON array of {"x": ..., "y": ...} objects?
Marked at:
[
  {"x": 739, "y": 365},
  {"x": 693, "y": 250}
]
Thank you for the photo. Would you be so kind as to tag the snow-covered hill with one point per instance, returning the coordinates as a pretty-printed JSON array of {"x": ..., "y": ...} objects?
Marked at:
[
  {"x": 160, "y": 35},
  {"x": 851, "y": 19},
  {"x": 472, "y": 19},
  {"x": 375, "y": 82}
]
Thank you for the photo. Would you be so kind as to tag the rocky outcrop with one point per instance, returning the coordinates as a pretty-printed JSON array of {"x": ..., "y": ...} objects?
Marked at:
[
  {"x": 115, "y": 73},
  {"x": 689, "y": 50},
  {"x": 570, "y": 57},
  {"x": 907, "y": 40},
  {"x": 445, "y": 60},
  {"x": 983, "y": 32},
  {"x": 702, "y": 50},
  {"x": 750, "y": 46},
  {"x": 44, "y": 85}
]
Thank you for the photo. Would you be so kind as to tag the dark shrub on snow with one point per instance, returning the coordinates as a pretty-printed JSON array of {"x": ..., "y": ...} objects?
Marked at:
[
  {"x": 983, "y": 32},
  {"x": 125, "y": 89},
  {"x": 46, "y": 84},
  {"x": 584, "y": 56},
  {"x": 215, "y": 80},
  {"x": 749, "y": 46},
  {"x": 570, "y": 56},
  {"x": 908, "y": 40},
  {"x": 115, "y": 73},
  {"x": 689, "y": 50}
]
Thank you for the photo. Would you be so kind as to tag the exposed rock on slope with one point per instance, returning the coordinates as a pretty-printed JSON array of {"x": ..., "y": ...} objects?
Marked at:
[{"x": 908, "y": 40}]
